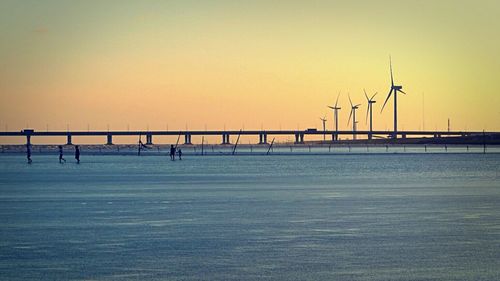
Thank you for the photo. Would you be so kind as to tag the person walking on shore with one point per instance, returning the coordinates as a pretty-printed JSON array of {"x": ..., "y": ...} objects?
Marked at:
[
  {"x": 28, "y": 153},
  {"x": 61, "y": 159},
  {"x": 179, "y": 151},
  {"x": 172, "y": 152},
  {"x": 77, "y": 154}
]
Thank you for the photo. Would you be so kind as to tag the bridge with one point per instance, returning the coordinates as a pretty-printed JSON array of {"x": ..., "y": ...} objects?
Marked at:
[{"x": 226, "y": 134}]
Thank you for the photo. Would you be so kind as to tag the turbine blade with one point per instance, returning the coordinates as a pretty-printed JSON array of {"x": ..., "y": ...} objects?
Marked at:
[
  {"x": 373, "y": 96},
  {"x": 390, "y": 64},
  {"x": 350, "y": 115},
  {"x": 366, "y": 95},
  {"x": 349, "y": 99},
  {"x": 367, "y": 111},
  {"x": 388, "y": 96},
  {"x": 330, "y": 107},
  {"x": 402, "y": 91},
  {"x": 336, "y": 101}
]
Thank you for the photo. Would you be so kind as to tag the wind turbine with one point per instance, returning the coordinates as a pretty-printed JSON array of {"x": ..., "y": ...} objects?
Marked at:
[
  {"x": 394, "y": 89},
  {"x": 336, "y": 116},
  {"x": 369, "y": 111},
  {"x": 353, "y": 114},
  {"x": 324, "y": 127}
]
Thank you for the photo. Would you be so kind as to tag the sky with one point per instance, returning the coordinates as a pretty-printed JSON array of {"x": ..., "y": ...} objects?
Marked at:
[{"x": 246, "y": 64}]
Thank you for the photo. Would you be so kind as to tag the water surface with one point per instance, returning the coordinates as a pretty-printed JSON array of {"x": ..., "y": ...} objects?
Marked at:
[{"x": 293, "y": 217}]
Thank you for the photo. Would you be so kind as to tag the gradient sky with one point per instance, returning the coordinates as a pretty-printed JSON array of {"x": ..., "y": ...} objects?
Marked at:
[{"x": 275, "y": 64}]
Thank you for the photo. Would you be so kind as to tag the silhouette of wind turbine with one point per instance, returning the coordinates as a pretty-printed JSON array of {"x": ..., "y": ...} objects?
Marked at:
[
  {"x": 353, "y": 115},
  {"x": 324, "y": 126},
  {"x": 369, "y": 111},
  {"x": 336, "y": 109},
  {"x": 394, "y": 89}
]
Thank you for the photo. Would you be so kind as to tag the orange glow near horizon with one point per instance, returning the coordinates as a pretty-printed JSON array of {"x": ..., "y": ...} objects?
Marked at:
[{"x": 238, "y": 64}]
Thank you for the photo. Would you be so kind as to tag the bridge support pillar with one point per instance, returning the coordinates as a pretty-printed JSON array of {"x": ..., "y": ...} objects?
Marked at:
[
  {"x": 225, "y": 139},
  {"x": 262, "y": 138},
  {"x": 110, "y": 139},
  {"x": 149, "y": 139},
  {"x": 370, "y": 136},
  {"x": 299, "y": 138},
  {"x": 187, "y": 139},
  {"x": 28, "y": 139},
  {"x": 68, "y": 142},
  {"x": 403, "y": 136}
]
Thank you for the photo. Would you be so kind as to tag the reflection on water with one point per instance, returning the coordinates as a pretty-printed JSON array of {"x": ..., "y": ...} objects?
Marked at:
[{"x": 316, "y": 217}]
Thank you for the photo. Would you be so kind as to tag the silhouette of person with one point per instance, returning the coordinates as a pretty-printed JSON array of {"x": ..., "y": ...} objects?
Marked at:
[
  {"x": 61, "y": 159},
  {"x": 172, "y": 152},
  {"x": 28, "y": 153},
  {"x": 179, "y": 151},
  {"x": 77, "y": 154}
]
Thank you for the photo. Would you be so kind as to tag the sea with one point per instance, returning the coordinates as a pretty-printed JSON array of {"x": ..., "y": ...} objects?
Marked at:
[{"x": 360, "y": 216}]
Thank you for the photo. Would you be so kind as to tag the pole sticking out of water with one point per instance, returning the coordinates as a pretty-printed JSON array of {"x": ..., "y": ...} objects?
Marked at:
[
  {"x": 270, "y": 146},
  {"x": 236, "y": 144},
  {"x": 177, "y": 142},
  {"x": 202, "y": 142},
  {"x": 139, "y": 146},
  {"x": 484, "y": 143}
]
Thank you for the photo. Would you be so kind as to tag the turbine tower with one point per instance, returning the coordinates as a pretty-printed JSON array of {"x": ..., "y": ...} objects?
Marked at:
[
  {"x": 394, "y": 89},
  {"x": 324, "y": 126},
  {"x": 353, "y": 115},
  {"x": 369, "y": 111},
  {"x": 336, "y": 109}
]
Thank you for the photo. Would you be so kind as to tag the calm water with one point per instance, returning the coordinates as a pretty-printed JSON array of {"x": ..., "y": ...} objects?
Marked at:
[{"x": 330, "y": 217}]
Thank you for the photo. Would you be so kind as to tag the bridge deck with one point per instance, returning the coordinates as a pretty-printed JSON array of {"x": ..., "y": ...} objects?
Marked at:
[{"x": 236, "y": 132}]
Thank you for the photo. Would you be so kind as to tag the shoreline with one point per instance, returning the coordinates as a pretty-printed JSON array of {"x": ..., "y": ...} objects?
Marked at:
[{"x": 258, "y": 149}]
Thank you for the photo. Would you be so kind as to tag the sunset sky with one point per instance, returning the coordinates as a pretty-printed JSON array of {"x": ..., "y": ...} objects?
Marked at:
[{"x": 246, "y": 64}]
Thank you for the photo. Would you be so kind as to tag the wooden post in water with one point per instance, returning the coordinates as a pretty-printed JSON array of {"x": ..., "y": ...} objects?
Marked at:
[
  {"x": 139, "y": 146},
  {"x": 484, "y": 143},
  {"x": 202, "y": 142},
  {"x": 271, "y": 146},
  {"x": 236, "y": 144},
  {"x": 177, "y": 142}
]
